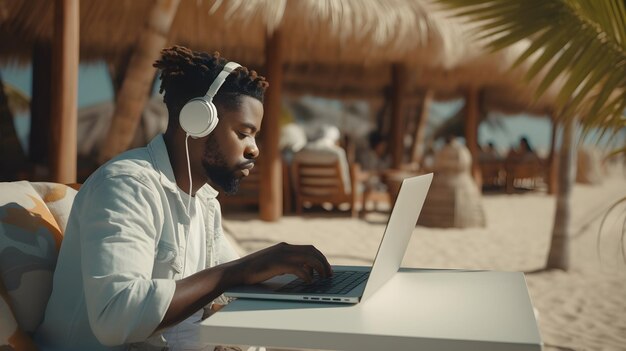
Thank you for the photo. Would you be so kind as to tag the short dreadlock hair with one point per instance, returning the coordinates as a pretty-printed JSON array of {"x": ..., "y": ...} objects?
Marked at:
[{"x": 187, "y": 74}]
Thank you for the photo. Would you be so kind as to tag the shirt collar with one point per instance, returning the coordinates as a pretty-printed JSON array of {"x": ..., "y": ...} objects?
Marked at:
[{"x": 162, "y": 163}]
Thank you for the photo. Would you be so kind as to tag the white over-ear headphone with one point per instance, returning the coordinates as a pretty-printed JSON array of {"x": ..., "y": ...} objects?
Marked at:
[{"x": 199, "y": 117}]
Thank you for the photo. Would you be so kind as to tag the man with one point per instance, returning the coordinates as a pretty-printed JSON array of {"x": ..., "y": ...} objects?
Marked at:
[{"x": 142, "y": 252}]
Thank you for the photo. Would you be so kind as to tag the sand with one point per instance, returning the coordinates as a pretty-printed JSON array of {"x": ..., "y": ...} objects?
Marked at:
[{"x": 583, "y": 308}]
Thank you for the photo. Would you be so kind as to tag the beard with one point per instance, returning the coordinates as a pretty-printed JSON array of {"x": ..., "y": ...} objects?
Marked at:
[{"x": 217, "y": 169}]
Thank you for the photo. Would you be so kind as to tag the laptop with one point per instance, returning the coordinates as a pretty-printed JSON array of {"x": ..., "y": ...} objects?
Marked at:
[{"x": 352, "y": 284}]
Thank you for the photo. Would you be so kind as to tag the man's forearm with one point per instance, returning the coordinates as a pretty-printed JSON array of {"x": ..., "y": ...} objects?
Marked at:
[{"x": 197, "y": 290}]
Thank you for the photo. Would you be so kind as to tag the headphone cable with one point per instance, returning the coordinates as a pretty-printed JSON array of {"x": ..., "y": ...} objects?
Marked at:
[{"x": 189, "y": 171}]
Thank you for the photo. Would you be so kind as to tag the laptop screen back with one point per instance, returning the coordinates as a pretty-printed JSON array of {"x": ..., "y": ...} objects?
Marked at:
[{"x": 398, "y": 232}]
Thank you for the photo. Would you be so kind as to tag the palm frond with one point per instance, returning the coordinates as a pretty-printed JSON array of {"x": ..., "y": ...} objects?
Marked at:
[
  {"x": 581, "y": 43},
  {"x": 615, "y": 153},
  {"x": 617, "y": 206},
  {"x": 18, "y": 101}
]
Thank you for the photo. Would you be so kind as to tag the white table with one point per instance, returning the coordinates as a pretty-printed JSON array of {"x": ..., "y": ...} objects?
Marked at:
[{"x": 417, "y": 309}]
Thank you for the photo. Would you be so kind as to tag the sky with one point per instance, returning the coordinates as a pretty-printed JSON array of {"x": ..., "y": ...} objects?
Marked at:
[{"x": 94, "y": 86}]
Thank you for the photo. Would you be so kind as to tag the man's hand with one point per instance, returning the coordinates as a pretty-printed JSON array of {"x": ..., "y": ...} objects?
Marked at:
[
  {"x": 283, "y": 258},
  {"x": 197, "y": 290}
]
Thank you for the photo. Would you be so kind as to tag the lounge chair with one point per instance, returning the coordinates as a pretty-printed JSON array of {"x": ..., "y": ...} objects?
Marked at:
[{"x": 318, "y": 182}]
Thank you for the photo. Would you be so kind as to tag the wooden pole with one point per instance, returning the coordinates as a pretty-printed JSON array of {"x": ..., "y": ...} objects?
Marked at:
[
  {"x": 471, "y": 131},
  {"x": 270, "y": 201},
  {"x": 13, "y": 165},
  {"x": 399, "y": 82},
  {"x": 64, "y": 114},
  {"x": 417, "y": 150},
  {"x": 40, "y": 105}
]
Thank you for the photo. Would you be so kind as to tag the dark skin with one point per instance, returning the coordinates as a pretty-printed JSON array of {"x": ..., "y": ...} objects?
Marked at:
[{"x": 235, "y": 136}]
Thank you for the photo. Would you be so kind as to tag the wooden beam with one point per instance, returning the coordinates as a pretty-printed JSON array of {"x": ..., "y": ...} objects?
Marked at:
[
  {"x": 417, "y": 149},
  {"x": 40, "y": 105},
  {"x": 471, "y": 130},
  {"x": 13, "y": 165},
  {"x": 399, "y": 87},
  {"x": 270, "y": 201},
  {"x": 64, "y": 114}
]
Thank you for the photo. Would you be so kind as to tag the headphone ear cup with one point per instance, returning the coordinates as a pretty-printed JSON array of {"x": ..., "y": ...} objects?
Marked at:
[
  {"x": 212, "y": 118},
  {"x": 198, "y": 117}
]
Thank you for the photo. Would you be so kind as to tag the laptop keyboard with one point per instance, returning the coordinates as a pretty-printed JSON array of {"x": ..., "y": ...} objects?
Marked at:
[{"x": 340, "y": 283}]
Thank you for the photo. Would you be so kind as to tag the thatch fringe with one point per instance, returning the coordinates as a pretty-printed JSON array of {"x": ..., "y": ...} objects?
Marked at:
[{"x": 332, "y": 48}]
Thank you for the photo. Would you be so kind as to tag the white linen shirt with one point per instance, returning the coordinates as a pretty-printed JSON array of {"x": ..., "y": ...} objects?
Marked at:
[{"x": 122, "y": 252}]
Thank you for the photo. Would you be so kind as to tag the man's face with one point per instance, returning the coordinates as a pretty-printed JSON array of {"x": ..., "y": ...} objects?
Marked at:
[{"x": 231, "y": 150}]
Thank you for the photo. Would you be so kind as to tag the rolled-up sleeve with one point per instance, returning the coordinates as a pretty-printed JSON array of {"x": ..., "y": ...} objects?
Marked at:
[{"x": 119, "y": 229}]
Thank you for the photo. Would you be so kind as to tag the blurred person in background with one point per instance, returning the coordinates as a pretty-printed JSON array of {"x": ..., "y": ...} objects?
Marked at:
[
  {"x": 292, "y": 139},
  {"x": 523, "y": 152}
]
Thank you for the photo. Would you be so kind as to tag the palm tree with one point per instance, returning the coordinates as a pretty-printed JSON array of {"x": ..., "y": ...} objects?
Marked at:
[
  {"x": 134, "y": 91},
  {"x": 581, "y": 42}
]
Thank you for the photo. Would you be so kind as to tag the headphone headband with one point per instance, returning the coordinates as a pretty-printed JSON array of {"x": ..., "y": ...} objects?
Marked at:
[
  {"x": 221, "y": 78},
  {"x": 199, "y": 116}
]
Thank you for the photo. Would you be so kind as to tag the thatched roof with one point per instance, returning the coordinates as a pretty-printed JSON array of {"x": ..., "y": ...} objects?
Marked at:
[
  {"x": 348, "y": 31},
  {"x": 331, "y": 48}
]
